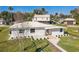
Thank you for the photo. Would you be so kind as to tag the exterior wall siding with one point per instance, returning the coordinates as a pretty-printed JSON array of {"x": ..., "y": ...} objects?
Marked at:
[
  {"x": 74, "y": 22},
  {"x": 39, "y": 33},
  {"x": 56, "y": 32},
  {"x": 41, "y": 19},
  {"x": 1, "y": 23},
  {"x": 69, "y": 22}
]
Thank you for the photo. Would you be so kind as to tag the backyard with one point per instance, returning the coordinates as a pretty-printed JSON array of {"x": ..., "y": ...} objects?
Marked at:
[{"x": 23, "y": 44}]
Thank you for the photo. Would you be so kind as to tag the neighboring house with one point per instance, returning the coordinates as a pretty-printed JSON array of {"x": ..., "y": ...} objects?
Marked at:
[
  {"x": 1, "y": 21},
  {"x": 42, "y": 18},
  {"x": 35, "y": 29},
  {"x": 69, "y": 21}
]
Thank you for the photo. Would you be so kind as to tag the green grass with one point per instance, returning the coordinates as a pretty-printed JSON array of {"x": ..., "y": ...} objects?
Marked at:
[
  {"x": 15, "y": 45},
  {"x": 73, "y": 31},
  {"x": 26, "y": 45},
  {"x": 69, "y": 43},
  {"x": 45, "y": 45},
  {"x": 60, "y": 25},
  {"x": 50, "y": 48},
  {"x": 4, "y": 33}
]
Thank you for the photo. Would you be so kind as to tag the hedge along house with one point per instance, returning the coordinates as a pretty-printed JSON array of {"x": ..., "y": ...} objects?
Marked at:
[
  {"x": 35, "y": 29},
  {"x": 42, "y": 18},
  {"x": 69, "y": 21}
]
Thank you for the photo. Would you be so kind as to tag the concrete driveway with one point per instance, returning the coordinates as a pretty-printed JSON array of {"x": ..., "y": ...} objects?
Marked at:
[{"x": 54, "y": 41}]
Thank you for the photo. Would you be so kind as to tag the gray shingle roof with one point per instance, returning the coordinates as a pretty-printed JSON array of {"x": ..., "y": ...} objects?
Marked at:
[{"x": 30, "y": 24}]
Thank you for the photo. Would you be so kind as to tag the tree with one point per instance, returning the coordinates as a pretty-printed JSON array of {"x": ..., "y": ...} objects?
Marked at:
[
  {"x": 19, "y": 17},
  {"x": 10, "y": 8},
  {"x": 28, "y": 16},
  {"x": 56, "y": 14},
  {"x": 56, "y": 17},
  {"x": 6, "y": 16},
  {"x": 40, "y": 11},
  {"x": 75, "y": 14},
  {"x": 62, "y": 15},
  {"x": 43, "y": 10}
]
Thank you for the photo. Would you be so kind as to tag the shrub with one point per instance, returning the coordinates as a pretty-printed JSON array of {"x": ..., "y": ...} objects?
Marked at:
[{"x": 40, "y": 38}]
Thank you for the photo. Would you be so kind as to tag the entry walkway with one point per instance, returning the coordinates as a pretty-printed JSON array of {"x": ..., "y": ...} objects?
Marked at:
[{"x": 54, "y": 40}]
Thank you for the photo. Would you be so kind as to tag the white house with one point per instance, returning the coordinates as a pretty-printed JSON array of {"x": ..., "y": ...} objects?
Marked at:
[
  {"x": 1, "y": 21},
  {"x": 35, "y": 29},
  {"x": 69, "y": 21},
  {"x": 41, "y": 18}
]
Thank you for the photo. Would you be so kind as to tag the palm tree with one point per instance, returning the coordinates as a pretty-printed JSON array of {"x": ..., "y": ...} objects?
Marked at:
[
  {"x": 40, "y": 11},
  {"x": 44, "y": 11},
  {"x": 56, "y": 16},
  {"x": 10, "y": 8}
]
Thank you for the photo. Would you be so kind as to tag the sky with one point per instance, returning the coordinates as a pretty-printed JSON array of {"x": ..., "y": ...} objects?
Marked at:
[{"x": 51, "y": 9}]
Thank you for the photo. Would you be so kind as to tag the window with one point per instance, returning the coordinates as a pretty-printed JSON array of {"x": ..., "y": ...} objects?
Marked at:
[
  {"x": 32, "y": 30},
  {"x": 61, "y": 30},
  {"x": 21, "y": 31}
]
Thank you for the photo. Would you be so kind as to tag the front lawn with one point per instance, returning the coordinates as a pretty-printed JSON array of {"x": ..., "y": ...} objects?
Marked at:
[
  {"x": 4, "y": 33},
  {"x": 26, "y": 45},
  {"x": 69, "y": 43}
]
